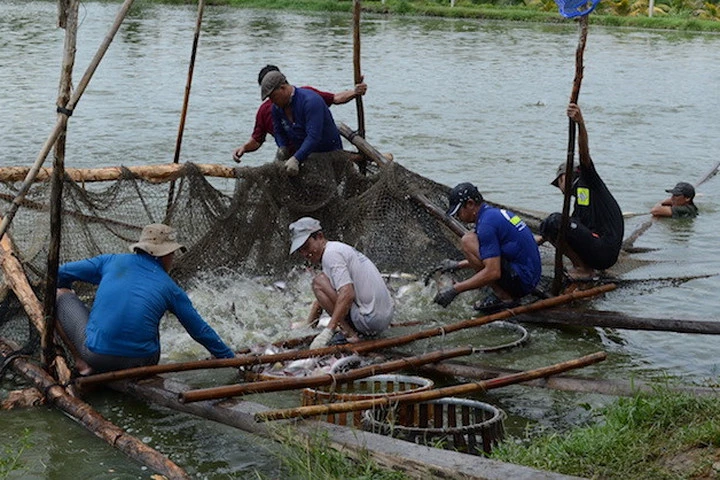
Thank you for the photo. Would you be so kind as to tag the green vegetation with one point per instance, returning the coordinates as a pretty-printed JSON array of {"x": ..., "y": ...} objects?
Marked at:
[
  {"x": 663, "y": 435},
  {"x": 313, "y": 458},
  {"x": 10, "y": 456},
  {"x": 684, "y": 15}
]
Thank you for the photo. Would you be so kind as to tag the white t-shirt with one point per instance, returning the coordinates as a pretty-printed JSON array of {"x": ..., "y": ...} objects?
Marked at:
[{"x": 344, "y": 265}]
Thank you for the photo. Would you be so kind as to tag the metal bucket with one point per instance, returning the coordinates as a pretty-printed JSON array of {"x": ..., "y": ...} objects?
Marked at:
[
  {"x": 458, "y": 424},
  {"x": 362, "y": 389}
]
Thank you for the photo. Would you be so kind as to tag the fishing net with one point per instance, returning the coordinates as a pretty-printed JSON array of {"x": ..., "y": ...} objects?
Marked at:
[{"x": 576, "y": 8}]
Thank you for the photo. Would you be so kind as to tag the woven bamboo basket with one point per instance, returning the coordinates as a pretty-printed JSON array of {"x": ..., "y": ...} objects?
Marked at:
[
  {"x": 362, "y": 389},
  {"x": 458, "y": 424}
]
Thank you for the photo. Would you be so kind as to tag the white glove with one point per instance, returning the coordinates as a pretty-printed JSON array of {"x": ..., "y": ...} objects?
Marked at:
[
  {"x": 292, "y": 166},
  {"x": 322, "y": 339}
]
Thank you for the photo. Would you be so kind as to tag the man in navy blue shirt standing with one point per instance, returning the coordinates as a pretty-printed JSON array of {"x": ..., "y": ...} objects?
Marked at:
[
  {"x": 501, "y": 250},
  {"x": 302, "y": 122}
]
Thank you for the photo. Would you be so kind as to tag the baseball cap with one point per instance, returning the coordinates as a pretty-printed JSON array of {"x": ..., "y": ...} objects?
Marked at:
[
  {"x": 270, "y": 82},
  {"x": 460, "y": 194},
  {"x": 301, "y": 230},
  {"x": 158, "y": 240},
  {"x": 684, "y": 189},
  {"x": 561, "y": 170}
]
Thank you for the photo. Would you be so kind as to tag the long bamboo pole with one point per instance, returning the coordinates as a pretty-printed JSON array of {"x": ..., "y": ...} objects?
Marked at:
[
  {"x": 69, "y": 16},
  {"x": 359, "y": 348},
  {"x": 427, "y": 395},
  {"x": 152, "y": 173},
  {"x": 357, "y": 72},
  {"x": 66, "y": 112},
  {"x": 560, "y": 244},
  {"x": 320, "y": 380},
  {"x": 186, "y": 100},
  {"x": 92, "y": 420}
]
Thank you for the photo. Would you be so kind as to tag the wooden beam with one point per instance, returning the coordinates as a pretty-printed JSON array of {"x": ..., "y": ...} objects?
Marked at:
[
  {"x": 609, "y": 319},
  {"x": 153, "y": 173}
]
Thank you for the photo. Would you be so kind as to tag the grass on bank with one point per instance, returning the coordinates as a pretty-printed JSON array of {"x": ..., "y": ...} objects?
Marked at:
[
  {"x": 682, "y": 15},
  {"x": 662, "y": 435}
]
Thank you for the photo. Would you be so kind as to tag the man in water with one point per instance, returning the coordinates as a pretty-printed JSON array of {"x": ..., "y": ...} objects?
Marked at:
[
  {"x": 349, "y": 288},
  {"x": 595, "y": 231},
  {"x": 501, "y": 250},
  {"x": 263, "y": 117},
  {"x": 680, "y": 203},
  {"x": 134, "y": 292}
]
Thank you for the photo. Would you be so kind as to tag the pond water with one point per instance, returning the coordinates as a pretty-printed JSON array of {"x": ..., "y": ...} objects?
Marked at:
[{"x": 453, "y": 100}]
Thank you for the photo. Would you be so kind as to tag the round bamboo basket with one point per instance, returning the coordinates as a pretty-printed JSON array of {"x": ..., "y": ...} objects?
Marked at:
[
  {"x": 362, "y": 389},
  {"x": 457, "y": 424}
]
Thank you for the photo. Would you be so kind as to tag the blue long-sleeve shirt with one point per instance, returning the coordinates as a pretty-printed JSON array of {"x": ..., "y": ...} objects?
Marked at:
[
  {"x": 312, "y": 129},
  {"x": 134, "y": 292}
]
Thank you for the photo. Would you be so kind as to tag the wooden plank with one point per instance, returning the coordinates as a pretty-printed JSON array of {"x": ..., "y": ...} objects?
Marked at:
[{"x": 610, "y": 319}]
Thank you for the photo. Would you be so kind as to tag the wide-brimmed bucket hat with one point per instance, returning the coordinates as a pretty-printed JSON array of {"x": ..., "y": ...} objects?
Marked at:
[{"x": 158, "y": 240}]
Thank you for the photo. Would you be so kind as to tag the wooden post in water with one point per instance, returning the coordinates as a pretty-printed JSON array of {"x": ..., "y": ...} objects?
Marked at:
[
  {"x": 560, "y": 244},
  {"x": 66, "y": 112},
  {"x": 69, "y": 16},
  {"x": 188, "y": 85}
]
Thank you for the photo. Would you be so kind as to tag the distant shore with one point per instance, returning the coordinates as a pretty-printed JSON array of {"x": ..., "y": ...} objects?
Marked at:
[{"x": 690, "y": 19}]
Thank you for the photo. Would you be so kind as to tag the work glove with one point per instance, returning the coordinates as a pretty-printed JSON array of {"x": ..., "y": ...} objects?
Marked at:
[
  {"x": 447, "y": 266},
  {"x": 292, "y": 166},
  {"x": 282, "y": 154},
  {"x": 446, "y": 296},
  {"x": 322, "y": 339}
]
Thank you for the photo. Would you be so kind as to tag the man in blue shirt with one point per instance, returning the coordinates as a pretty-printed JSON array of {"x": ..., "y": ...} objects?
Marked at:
[
  {"x": 501, "y": 250},
  {"x": 134, "y": 292},
  {"x": 302, "y": 122}
]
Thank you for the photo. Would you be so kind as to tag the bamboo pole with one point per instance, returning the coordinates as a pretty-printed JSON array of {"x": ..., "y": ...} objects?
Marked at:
[
  {"x": 565, "y": 383},
  {"x": 560, "y": 243},
  {"x": 92, "y": 420},
  {"x": 152, "y": 173},
  {"x": 356, "y": 66},
  {"x": 186, "y": 100},
  {"x": 69, "y": 17},
  {"x": 320, "y": 380},
  {"x": 66, "y": 112},
  {"x": 427, "y": 395},
  {"x": 359, "y": 348}
]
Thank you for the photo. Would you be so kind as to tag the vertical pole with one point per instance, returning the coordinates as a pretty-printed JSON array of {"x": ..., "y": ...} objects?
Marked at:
[
  {"x": 186, "y": 100},
  {"x": 68, "y": 16},
  {"x": 356, "y": 66},
  {"x": 577, "y": 81}
]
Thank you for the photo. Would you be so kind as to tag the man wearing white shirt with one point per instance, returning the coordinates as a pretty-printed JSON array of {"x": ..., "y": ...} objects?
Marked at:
[{"x": 350, "y": 287}]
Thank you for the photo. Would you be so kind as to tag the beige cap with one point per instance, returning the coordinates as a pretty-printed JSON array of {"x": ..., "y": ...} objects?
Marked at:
[{"x": 158, "y": 240}]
